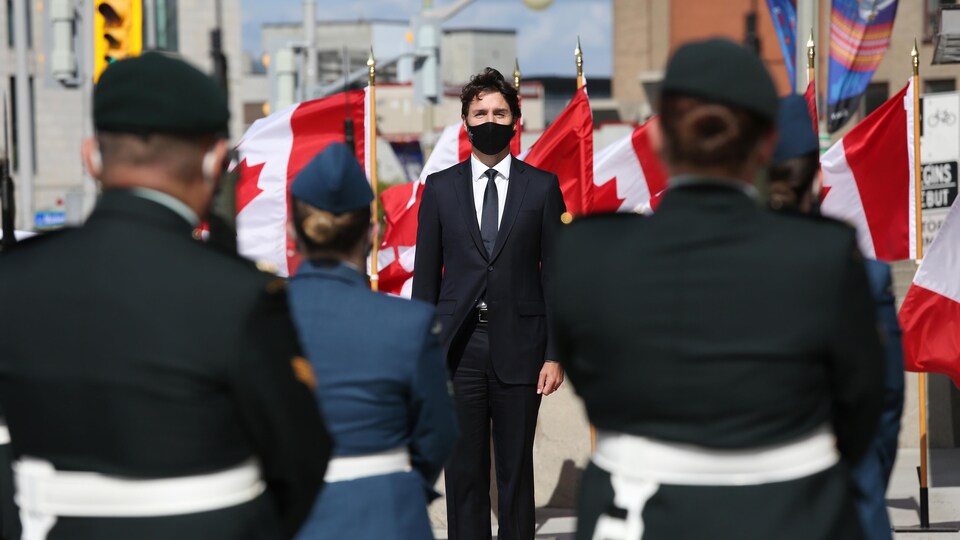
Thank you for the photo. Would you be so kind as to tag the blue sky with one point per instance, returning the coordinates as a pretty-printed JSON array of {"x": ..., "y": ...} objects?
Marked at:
[{"x": 545, "y": 39}]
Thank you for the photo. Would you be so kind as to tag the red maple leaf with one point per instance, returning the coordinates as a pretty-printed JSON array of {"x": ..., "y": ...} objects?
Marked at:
[
  {"x": 247, "y": 189},
  {"x": 604, "y": 198},
  {"x": 823, "y": 193}
]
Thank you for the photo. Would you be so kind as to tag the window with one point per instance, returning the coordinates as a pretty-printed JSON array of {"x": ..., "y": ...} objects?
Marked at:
[
  {"x": 932, "y": 8},
  {"x": 15, "y": 123},
  {"x": 11, "y": 26},
  {"x": 165, "y": 16},
  {"x": 934, "y": 86},
  {"x": 877, "y": 93}
]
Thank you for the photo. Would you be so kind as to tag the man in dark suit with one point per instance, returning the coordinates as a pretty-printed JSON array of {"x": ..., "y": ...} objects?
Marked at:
[
  {"x": 485, "y": 256},
  {"x": 150, "y": 382},
  {"x": 728, "y": 405},
  {"x": 796, "y": 165}
]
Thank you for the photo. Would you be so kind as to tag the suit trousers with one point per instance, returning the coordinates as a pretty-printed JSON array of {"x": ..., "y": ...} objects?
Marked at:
[{"x": 481, "y": 399}]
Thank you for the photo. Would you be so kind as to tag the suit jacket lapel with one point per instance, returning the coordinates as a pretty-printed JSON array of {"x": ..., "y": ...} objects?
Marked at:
[
  {"x": 516, "y": 188},
  {"x": 464, "y": 190}
]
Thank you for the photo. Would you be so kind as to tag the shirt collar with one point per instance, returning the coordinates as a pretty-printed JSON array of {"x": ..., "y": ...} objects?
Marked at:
[
  {"x": 169, "y": 201},
  {"x": 479, "y": 169},
  {"x": 685, "y": 180}
]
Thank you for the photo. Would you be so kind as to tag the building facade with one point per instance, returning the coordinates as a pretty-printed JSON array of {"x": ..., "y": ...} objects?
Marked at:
[{"x": 61, "y": 192}]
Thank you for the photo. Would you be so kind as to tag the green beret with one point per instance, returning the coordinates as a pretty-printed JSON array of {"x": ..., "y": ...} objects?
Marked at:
[
  {"x": 158, "y": 93},
  {"x": 720, "y": 71}
]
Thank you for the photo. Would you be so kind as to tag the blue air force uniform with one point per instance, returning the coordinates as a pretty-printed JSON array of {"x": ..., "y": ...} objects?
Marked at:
[{"x": 381, "y": 381}]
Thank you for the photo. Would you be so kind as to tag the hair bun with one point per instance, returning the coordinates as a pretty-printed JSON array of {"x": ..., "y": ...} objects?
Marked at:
[
  {"x": 710, "y": 128},
  {"x": 319, "y": 226}
]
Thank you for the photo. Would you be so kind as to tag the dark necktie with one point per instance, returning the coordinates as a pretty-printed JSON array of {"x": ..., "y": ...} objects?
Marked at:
[{"x": 488, "y": 213}]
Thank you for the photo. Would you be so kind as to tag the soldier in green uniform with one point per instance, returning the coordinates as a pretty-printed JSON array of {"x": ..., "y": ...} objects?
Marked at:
[
  {"x": 728, "y": 403},
  {"x": 153, "y": 385}
]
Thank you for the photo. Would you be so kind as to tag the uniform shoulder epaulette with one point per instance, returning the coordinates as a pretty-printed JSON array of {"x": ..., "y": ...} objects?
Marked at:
[
  {"x": 607, "y": 216},
  {"x": 38, "y": 239}
]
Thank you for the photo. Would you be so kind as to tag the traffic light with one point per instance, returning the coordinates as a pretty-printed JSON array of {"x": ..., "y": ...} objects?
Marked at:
[{"x": 117, "y": 31}]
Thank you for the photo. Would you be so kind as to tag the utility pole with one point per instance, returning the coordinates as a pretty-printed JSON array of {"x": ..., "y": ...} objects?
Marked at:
[
  {"x": 24, "y": 108},
  {"x": 310, "y": 37},
  {"x": 216, "y": 51}
]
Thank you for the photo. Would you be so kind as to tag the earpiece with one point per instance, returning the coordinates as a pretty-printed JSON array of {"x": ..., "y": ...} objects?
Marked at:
[
  {"x": 209, "y": 165},
  {"x": 96, "y": 161}
]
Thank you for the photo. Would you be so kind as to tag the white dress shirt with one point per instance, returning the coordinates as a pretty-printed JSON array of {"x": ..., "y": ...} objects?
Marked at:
[{"x": 480, "y": 185}]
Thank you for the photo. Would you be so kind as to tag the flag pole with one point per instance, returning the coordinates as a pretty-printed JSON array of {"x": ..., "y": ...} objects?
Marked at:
[
  {"x": 371, "y": 121},
  {"x": 811, "y": 60},
  {"x": 567, "y": 217},
  {"x": 921, "y": 377}
]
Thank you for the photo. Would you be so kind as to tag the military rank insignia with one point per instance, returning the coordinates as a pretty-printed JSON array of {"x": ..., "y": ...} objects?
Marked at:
[{"x": 303, "y": 371}]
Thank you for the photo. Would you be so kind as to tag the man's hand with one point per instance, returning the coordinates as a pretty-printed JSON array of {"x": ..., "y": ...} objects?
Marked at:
[{"x": 551, "y": 377}]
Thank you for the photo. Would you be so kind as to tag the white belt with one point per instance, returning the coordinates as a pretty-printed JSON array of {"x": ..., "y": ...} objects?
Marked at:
[
  {"x": 44, "y": 493},
  {"x": 343, "y": 468},
  {"x": 638, "y": 466}
]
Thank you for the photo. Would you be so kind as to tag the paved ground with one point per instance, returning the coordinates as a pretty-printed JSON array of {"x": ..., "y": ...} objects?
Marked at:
[{"x": 902, "y": 500}]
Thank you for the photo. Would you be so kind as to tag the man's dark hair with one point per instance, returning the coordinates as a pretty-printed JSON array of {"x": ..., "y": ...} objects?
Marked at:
[
  {"x": 797, "y": 172},
  {"x": 706, "y": 134},
  {"x": 327, "y": 235},
  {"x": 490, "y": 81}
]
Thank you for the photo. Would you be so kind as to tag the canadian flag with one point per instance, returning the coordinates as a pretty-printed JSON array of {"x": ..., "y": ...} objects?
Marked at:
[
  {"x": 271, "y": 153},
  {"x": 566, "y": 149},
  {"x": 931, "y": 309},
  {"x": 868, "y": 180},
  {"x": 627, "y": 174}
]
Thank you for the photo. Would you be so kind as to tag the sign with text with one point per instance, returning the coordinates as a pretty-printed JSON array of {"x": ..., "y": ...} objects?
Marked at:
[{"x": 939, "y": 159}]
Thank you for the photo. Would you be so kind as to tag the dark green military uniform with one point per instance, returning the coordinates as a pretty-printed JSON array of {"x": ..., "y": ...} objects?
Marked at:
[
  {"x": 133, "y": 351},
  {"x": 717, "y": 329}
]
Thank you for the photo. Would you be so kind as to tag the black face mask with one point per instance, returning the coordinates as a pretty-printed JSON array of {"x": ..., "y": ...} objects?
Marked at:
[{"x": 490, "y": 137}]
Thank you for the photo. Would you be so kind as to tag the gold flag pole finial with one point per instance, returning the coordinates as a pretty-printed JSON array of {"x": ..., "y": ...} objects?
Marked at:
[
  {"x": 372, "y": 153},
  {"x": 578, "y": 54},
  {"x": 516, "y": 73},
  {"x": 811, "y": 52},
  {"x": 915, "y": 55},
  {"x": 372, "y": 67}
]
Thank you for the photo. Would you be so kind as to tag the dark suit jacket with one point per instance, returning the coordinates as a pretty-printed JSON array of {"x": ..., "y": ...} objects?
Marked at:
[
  {"x": 453, "y": 271},
  {"x": 719, "y": 324},
  {"x": 131, "y": 349}
]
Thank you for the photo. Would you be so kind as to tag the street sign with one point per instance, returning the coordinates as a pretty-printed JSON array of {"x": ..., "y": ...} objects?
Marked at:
[{"x": 939, "y": 159}]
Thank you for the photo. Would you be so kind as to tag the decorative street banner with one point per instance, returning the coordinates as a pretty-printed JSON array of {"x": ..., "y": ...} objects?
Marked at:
[
  {"x": 859, "y": 35},
  {"x": 939, "y": 158},
  {"x": 783, "y": 13}
]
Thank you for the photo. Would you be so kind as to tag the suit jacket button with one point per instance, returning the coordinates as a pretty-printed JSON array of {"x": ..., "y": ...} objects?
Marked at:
[{"x": 489, "y": 269}]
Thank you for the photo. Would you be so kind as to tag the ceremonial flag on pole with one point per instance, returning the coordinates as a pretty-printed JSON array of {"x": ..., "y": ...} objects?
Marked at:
[
  {"x": 566, "y": 149},
  {"x": 868, "y": 180},
  {"x": 783, "y": 13},
  {"x": 931, "y": 309},
  {"x": 811, "y": 96},
  {"x": 627, "y": 174},
  {"x": 271, "y": 153},
  {"x": 859, "y": 36}
]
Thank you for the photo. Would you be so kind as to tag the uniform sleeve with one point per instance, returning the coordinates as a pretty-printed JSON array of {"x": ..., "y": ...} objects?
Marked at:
[
  {"x": 428, "y": 261},
  {"x": 279, "y": 410},
  {"x": 550, "y": 231},
  {"x": 435, "y": 424},
  {"x": 881, "y": 285},
  {"x": 856, "y": 361}
]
